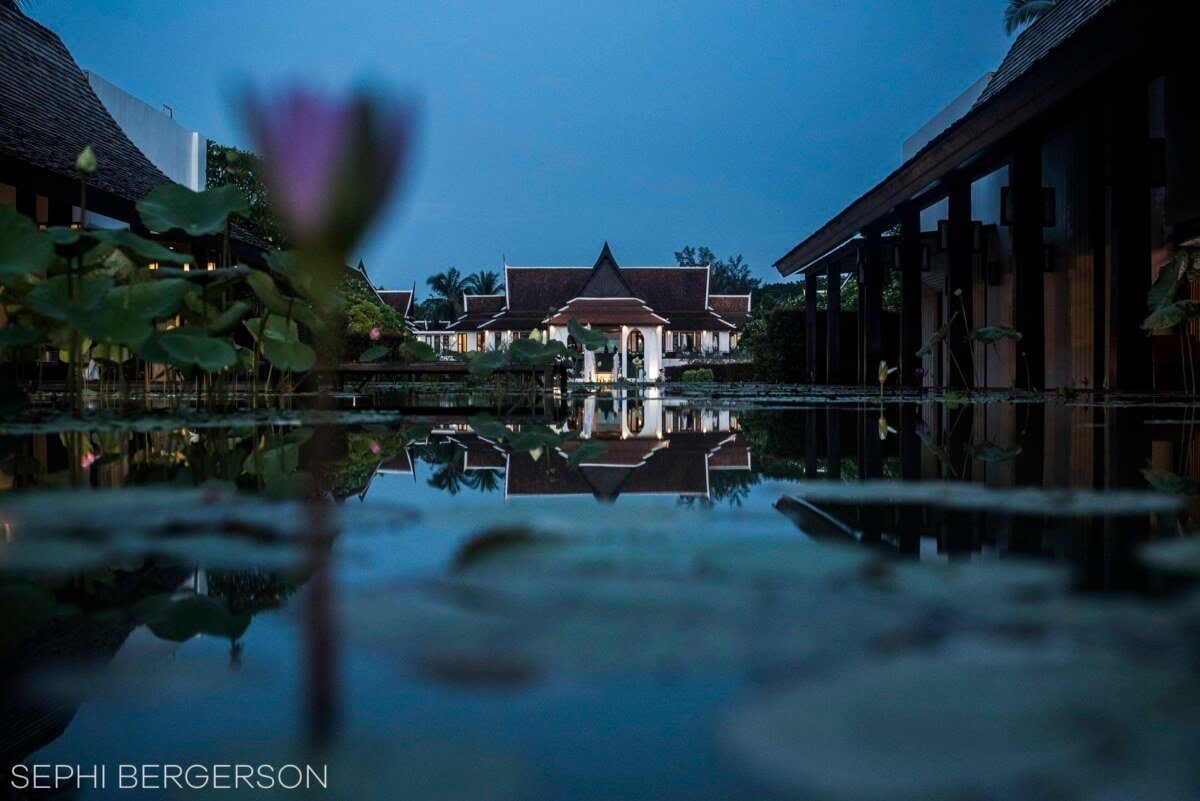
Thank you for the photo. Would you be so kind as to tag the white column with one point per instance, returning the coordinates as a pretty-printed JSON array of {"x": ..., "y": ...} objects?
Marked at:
[
  {"x": 624, "y": 351},
  {"x": 652, "y": 355}
]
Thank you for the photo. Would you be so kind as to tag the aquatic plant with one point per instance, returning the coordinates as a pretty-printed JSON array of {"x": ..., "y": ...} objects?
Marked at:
[{"x": 1167, "y": 312}]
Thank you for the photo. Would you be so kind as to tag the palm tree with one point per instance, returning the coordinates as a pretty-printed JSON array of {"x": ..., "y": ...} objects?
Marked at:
[
  {"x": 484, "y": 282},
  {"x": 448, "y": 288},
  {"x": 1022, "y": 12}
]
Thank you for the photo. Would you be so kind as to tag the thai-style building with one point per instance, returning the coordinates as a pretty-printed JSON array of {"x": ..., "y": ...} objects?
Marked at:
[
  {"x": 1046, "y": 199},
  {"x": 654, "y": 317},
  {"x": 652, "y": 446}
]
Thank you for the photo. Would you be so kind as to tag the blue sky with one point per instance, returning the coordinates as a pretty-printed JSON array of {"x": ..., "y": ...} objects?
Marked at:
[{"x": 550, "y": 127}]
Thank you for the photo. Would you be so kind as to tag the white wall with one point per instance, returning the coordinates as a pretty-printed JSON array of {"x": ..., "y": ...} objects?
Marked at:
[{"x": 181, "y": 154}]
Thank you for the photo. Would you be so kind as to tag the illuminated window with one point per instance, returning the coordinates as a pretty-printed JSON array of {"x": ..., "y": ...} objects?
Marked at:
[
  {"x": 212, "y": 265},
  {"x": 153, "y": 265}
]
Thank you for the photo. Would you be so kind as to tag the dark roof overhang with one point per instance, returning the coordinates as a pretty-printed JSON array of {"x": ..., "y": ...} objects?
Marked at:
[{"x": 1112, "y": 32}]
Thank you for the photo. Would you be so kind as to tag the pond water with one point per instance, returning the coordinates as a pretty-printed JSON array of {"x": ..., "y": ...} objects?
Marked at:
[{"x": 613, "y": 595}]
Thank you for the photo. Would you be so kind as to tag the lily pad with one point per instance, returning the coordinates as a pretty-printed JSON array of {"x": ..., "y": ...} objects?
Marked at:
[
  {"x": 150, "y": 300},
  {"x": 192, "y": 347},
  {"x": 52, "y": 298},
  {"x": 173, "y": 207},
  {"x": 291, "y": 355},
  {"x": 991, "y": 334},
  {"x": 279, "y": 304},
  {"x": 1170, "y": 316},
  {"x": 484, "y": 363},
  {"x": 24, "y": 250},
  {"x": 373, "y": 354},
  {"x": 1175, "y": 556},
  {"x": 586, "y": 337},
  {"x": 938, "y": 728},
  {"x": 412, "y": 350}
]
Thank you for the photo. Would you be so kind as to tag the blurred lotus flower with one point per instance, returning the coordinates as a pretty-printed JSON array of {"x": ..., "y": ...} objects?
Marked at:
[
  {"x": 884, "y": 428},
  {"x": 87, "y": 460},
  {"x": 376, "y": 333},
  {"x": 375, "y": 448},
  {"x": 330, "y": 163}
]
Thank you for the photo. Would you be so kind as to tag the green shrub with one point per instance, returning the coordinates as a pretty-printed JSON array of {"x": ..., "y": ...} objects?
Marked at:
[{"x": 701, "y": 375}]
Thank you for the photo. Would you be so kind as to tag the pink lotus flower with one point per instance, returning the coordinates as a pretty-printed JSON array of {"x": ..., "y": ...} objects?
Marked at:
[
  {"x": 330, "y": 163},
  {"x": 376, "y": 333},
  {"x": 375, "y": 447},
  {"x": 87, "y": 460}
]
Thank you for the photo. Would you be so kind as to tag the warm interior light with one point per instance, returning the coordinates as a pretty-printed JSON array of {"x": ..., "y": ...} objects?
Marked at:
[
  {"x": 153, "y": 265},
  {"x": 212, "y": 265}
]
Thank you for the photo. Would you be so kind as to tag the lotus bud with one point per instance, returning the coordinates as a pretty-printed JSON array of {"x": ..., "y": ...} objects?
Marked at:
[
  {"x": 376, "y": 333},
  {"x": 375, "y": 447},
  {"x": 884, "y": 372},
  {"x": 330, "y": 163},
  {"x": 958, "y": 293},
  {"x": 85, "y": 162}
]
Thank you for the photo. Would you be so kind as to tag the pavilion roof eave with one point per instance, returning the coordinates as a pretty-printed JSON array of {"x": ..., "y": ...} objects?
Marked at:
[{"x": 971, "y": 143}]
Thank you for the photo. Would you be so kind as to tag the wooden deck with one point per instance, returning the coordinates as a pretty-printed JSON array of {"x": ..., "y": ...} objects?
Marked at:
[{"x": 447, "y": 371}]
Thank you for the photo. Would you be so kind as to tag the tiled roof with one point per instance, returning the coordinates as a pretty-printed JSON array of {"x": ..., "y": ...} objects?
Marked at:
[
  {"x": 514, "y": 320},
  {"x": 729, "y": 303},
  {"x": 1036, "y": 41},
  {"x": 477, "y": 304},
  {"x": 733, "y": 309},
  {"x": 544, "y": 288},
  {"x": 606, "y": 311},
  {"x": 676, "y": 288},
  {"x": 49, "y": 113},
  {"x": 398, "y": 299}
]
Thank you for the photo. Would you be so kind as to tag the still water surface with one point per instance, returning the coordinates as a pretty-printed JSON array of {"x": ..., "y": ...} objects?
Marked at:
[{"x": 614, "y": 596}]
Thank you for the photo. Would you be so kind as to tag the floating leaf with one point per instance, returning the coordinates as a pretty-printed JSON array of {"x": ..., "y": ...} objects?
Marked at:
[
  {"x": 489, "y": 427},
  {"x": 373, "y": 354},
  {"x": 24, "y": 250},
  {"x": 991, "y": 334},
  {"x": 1174, "y": 556},
  {"x": 173, "y": 207},
  {"x": 192, "y": 347},
  {"x": 1166, "y": 481},
  {"x": 991, "y": 452},
  {"x": 145, "y": 250},
  {"x": 991, "y": 730}
]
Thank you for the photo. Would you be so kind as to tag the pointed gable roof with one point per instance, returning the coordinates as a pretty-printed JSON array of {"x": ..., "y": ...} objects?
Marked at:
[
  {"x": 606, "y": 280},
  {"x": 50, "y": 113}
]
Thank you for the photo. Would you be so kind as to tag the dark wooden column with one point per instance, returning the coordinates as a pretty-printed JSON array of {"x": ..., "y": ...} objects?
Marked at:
[
  {"x": 833, "y": 325},
  {"x": 810, "y": 328},
  {"x": 910, "y": 295},
  {"x": 1029, "y": 255},
  {"x": 1130, "y": 234},
  {"x": 961, "y": 267},
  {"x": 870, "y": 304}
]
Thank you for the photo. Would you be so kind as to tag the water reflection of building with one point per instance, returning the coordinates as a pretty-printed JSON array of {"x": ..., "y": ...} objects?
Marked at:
[{"x": 651, "y": 447}]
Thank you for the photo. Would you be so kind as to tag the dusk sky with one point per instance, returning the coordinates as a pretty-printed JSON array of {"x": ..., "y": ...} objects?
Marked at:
[{"x": 548, "y": 128}]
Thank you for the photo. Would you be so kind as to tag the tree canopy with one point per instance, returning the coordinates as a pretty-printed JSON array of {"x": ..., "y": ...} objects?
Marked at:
[{"x": 730, "y": 276}]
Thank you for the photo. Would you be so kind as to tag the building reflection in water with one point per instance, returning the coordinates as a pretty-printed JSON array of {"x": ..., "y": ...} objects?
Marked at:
[{"x": 651, "y": 447}]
